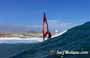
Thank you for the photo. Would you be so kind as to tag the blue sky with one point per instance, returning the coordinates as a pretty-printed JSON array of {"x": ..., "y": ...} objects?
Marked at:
[{"x": 61, "y": 14}]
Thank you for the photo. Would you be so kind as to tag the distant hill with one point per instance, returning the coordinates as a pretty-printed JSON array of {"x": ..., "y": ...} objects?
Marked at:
[
  {"x": 76, "y": 38},
  {"x": 12, "y": 28}
]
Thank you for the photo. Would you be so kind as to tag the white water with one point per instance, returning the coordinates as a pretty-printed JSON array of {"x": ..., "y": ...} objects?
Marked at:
[{"x": 20, "y": 40}]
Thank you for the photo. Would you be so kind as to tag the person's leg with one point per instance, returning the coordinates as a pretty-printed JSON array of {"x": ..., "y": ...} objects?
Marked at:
[{"x": 43, "y": 38}]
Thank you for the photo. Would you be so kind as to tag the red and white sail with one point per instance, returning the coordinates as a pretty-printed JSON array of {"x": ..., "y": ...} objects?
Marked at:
[{"x": 45, "y": 29}]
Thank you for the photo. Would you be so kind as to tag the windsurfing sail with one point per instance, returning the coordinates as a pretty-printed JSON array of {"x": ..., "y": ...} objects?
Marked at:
[{"x": 45, "y": 30}]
